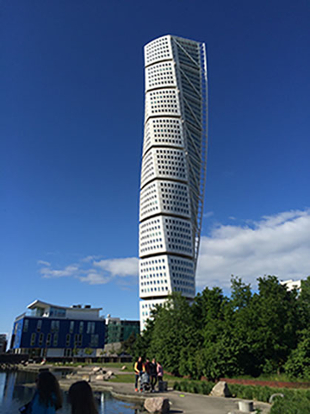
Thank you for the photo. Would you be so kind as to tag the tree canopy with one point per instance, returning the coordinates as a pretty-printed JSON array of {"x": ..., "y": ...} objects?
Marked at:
[{"x": 244, "y": 333}]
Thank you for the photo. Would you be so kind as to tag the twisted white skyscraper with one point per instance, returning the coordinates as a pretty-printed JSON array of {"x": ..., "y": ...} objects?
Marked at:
[{"x": 173, "y": 169}]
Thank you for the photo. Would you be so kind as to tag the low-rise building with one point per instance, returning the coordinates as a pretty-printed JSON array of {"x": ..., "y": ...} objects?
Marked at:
[
  {"x": 118, "y": 330},
  {"x": 53, "y": 331},
  {"x": 291, "y": 284}
]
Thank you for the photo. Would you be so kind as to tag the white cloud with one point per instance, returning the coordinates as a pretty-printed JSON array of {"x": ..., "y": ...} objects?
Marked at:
[
  {"x": 94, "y": 278},
  {"x": 48, "y": 272},
  {"x": 128, "y": 266},
  {"x": 87, "y": 270},
  {"x": 88, "y": 259},
  {"x": 42, "y": 262},
  {"x": 276, "y": 245}
]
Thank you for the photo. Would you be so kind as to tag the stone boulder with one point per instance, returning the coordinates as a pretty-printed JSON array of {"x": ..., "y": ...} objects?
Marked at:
[
  {"x": 108, "y": 375},
  {"x": 123, "y": 368},
  {"x": 220, "y": 390},
  {"x": 96, "y": 369},
  {"x": 99, "y": 377},
  {"x": 157, "y": 405}
]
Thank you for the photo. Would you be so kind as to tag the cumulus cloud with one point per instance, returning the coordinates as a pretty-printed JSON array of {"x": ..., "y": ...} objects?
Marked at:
[
  {"x": 276, "y": 245},
  {"x": 90, "y": 270},
  {"x": 122, "y": 267},
  {"x": 48, "y": 272},
  {"x": 94, "y": 278}
]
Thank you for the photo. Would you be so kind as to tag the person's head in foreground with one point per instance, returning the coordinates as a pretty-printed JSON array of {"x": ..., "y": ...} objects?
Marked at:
[
  {"x": 81, "y": 398},
  {"x": 48, "y": 390}
]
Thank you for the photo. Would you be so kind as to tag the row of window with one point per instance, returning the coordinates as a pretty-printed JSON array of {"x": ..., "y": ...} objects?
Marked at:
[
  {"x": 55, "y": 325},
  {"x": 154, "y": 282},
  {"x": 52, "y": 340},
  {"x": 159, "y": 289}
]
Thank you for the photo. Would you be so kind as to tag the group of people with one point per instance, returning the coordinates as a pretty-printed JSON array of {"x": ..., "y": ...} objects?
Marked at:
[
  {"x": 153, "y": 369},
  {"x": 47, "y": 398}
]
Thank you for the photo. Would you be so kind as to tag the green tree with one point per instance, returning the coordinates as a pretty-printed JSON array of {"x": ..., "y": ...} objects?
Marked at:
[
  {"x": 129, "y": 344},
  {"x": 298, "y": 363},
  {"x": 276, "y": 314},
  {"x": 171, "y": 332}
]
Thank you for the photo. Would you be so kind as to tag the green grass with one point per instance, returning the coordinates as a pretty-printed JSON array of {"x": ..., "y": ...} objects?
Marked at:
[
  {"x": 125, "y": 379},
  {"x": 111, "y": 365}
]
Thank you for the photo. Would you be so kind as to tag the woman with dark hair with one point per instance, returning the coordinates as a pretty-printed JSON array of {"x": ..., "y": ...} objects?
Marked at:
[
  {"x": 81, "y": 398},
  {"x": 47, "y": 398}
]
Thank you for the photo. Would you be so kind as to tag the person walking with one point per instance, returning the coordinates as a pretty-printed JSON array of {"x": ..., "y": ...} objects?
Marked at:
[
  {"x": 153, "y": 374},
  {"x": 81, "y": 398},
  {"x": 139, "y": 369}
]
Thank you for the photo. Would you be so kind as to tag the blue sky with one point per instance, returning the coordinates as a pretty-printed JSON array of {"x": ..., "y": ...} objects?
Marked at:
[{"x": 71, "y": 129}]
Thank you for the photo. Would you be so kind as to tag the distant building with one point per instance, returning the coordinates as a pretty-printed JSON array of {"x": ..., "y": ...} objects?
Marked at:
[
  {"x": 57, "y": 331},
  {"x": 291, "y": 284},
  {"x": 118, "y": 330},
  {"x": 3, "y": 343}
]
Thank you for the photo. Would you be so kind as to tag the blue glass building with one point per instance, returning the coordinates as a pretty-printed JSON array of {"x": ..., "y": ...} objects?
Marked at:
[{"x": 53, "y": 331}]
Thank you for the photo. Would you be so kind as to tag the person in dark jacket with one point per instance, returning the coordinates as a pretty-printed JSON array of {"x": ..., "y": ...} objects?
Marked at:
[{"x": 153, "y": 374}]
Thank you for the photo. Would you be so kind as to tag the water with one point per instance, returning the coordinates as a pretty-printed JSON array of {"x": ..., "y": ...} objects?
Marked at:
[{"x": 14, "y": 395}]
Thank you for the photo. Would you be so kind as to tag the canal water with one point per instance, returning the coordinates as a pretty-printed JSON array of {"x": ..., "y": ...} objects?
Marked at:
[{"x": 13, "y": 395}]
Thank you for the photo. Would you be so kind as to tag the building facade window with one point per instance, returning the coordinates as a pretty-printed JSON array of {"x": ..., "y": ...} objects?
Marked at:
[
  {"x": 71, "y": 327},
  {"x": 26, "y": 325},
  {"x": 41, "y": 339},
  {"x": 33, "y": 339},
  {"x": 48, "y": 339},
  {"x": 54, "y": 326},
  {"x": 90, "y": 327},
  {"x": 39, "y": 325}
]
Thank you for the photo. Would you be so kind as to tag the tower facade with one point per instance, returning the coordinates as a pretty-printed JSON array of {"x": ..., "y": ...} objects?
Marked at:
[{"x": 173, "y": 169}]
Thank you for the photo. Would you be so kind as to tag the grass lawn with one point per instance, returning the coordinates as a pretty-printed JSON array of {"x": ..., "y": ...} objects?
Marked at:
[{"x": 130, "y": 378}]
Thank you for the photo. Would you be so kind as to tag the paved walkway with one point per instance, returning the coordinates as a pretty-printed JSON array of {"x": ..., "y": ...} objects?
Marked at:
[{"x": 180, "y": 402}]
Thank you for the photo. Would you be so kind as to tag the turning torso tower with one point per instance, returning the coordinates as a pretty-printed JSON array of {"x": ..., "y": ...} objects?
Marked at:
[{"x": 173, "y": 169}]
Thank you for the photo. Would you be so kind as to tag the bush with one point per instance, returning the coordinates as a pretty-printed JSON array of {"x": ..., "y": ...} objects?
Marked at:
[
  {"x": 297, "y": 404},
  {"x": 196, "y": 387}
]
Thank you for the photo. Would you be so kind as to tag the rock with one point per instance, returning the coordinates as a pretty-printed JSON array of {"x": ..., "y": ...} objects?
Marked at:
[
  {"x": 96, "y": 369},
  {"x": 85, "y": 378},
  {"x": 123, "y": 368},
  {"x": 157, "y": 405},
  {"x": 220, "y": 390},
  {"x": 99, "y": 377},
  {"x": 108, "y": 375}
]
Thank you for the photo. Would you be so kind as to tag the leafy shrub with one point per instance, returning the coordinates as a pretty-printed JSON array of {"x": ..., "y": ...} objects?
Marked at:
[
  {"x": 297, "y": 404},
  {"x": 196, "y": 387}
]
